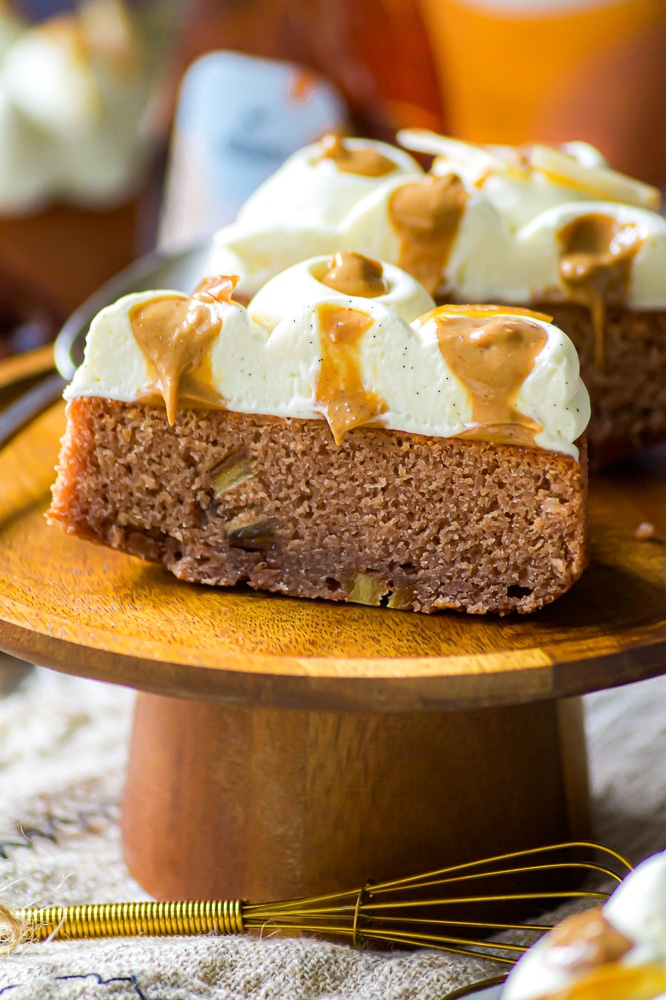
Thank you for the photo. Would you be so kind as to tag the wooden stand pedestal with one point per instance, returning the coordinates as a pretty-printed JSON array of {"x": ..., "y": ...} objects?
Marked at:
[{"x": 263, "y": 804}]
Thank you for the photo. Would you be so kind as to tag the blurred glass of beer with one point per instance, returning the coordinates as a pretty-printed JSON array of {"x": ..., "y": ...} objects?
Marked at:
[{"x": 518, "y": 71}]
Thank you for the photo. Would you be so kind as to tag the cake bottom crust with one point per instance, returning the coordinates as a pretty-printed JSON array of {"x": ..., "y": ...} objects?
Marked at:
[{"x": 386, "y": 518}]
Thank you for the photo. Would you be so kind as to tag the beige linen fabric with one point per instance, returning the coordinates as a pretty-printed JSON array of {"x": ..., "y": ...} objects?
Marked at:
[{"x": 63, "y": 745}]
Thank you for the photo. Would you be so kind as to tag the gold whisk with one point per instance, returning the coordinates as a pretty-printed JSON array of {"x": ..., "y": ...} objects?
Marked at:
[{"x": 407, "y": 911}]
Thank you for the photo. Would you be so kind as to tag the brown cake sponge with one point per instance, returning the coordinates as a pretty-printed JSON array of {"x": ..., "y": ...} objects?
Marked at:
[
  {"x": 413, "y": 522},
  {"x": 627, "y": 391}
]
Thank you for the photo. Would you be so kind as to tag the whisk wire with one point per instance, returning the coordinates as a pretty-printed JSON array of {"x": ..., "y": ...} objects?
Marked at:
[
  {"x": 357, "y": 908},
  {"x": 417, "y": 879},
  {"x": 503, "y": 897},
  {"x": 583, "y": 865}
]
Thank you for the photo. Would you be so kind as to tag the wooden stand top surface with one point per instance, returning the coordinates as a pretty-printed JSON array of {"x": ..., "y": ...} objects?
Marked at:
[{"x": 92, "y": 611}]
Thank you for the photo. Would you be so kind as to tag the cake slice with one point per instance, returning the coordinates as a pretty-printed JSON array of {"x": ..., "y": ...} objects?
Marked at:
[{"x": 340, "y": 438}]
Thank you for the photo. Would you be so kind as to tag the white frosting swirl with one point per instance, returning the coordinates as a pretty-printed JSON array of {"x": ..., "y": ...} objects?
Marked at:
[
  {"x": 506, "y": 247},
  {"x": 267, "y": 359},
  {"x": 308, "y": 207}
]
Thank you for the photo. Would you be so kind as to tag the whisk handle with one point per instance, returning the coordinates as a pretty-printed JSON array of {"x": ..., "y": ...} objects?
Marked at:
[{"x": 128, "y": 919}]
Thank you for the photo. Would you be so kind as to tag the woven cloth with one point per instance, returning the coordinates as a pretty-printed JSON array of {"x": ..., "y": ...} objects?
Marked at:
[{"x": 63, "y": 746}]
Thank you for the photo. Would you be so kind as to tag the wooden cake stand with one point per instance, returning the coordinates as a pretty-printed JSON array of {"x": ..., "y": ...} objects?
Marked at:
[{"x": 285, "y": 747}]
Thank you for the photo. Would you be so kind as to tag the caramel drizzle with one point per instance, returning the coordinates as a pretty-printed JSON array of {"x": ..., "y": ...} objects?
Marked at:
[
  {"x": 353, "y": 274},
  {"x": 354, "y": 160},
  {"x": 587, "y": 946},
  {"x": 615, "y": 980},
  {"x": 340, "y": 390},
  {"x": 426, "y": 216},
  {"x": 492, "y": 356},
  {"x": 175, "y": 335},
  {"x": 595, "y": 265},
  {"x": 585, "y": 941},
  {"x": 484, "y": 310}
]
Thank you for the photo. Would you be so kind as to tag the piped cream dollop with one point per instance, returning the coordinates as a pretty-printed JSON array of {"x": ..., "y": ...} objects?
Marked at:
[
  {"x": 352, "y": 341},
  {"x": 615, "y": 950},
  {"x": 310, "y": 207},
  {"x": 487, "y": 224}
]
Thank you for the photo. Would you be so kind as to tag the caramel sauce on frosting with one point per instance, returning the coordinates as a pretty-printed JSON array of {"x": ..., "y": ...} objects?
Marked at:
[
  {"x": 352, "y": 360},
  {"x": 354, "y": 159},
  {"x": 175, "y": 334},
  {"x": 584, "y": 941},
  {"x": 340, "y": 390},
  {"x": 218, "y": 288},
  {"x": 615, "y": 981},
  {"x": 426, "y": 215},
  {"x": 353, "y": 274},
  {"x": 492, "y": 355},
  {"x": 595, "y": 266}
]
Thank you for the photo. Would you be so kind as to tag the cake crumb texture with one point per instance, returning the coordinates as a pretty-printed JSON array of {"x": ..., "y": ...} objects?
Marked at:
[
  {"x": 628, "y": 394},
  {"x": 386, "y": 518}
]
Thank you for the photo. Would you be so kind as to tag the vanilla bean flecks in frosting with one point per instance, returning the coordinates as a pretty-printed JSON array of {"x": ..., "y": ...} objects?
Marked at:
[
  {"x": 426, "y": 215},
  {"x": 617, "y": 950},
  {"x": 519, "y": 374},
  {"x": 305, "y": 350},
  {"x": 175, "y": 334},
  {"x": 595, "y": 266},
  {"x": 349, "y": 159},
  {"x": 343, "y": 278}
]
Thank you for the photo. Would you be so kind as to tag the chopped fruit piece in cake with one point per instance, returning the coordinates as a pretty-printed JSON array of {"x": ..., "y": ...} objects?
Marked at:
[{"x": 340, "y": 437}]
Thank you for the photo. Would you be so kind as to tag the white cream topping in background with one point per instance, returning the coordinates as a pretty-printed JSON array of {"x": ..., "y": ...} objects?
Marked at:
[
  {"x": 308, "y": 207},
  {"x": 317, "y": 191},
  {"x": 73, "y": 94},
  {"x": 637, "y": 909},
  {"x": 50, "y": 79},
  {"x": 506, "y": 248},
  {"x": 486, "y": 266},
  {"x": 267, "y": 358}
]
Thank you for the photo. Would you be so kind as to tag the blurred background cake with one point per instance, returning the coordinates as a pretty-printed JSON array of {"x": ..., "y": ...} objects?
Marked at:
[{"x": 80, "y": 125}]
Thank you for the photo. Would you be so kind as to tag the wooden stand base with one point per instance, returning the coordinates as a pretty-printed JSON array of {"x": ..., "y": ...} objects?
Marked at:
[{"x": 264, "y": 804}]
